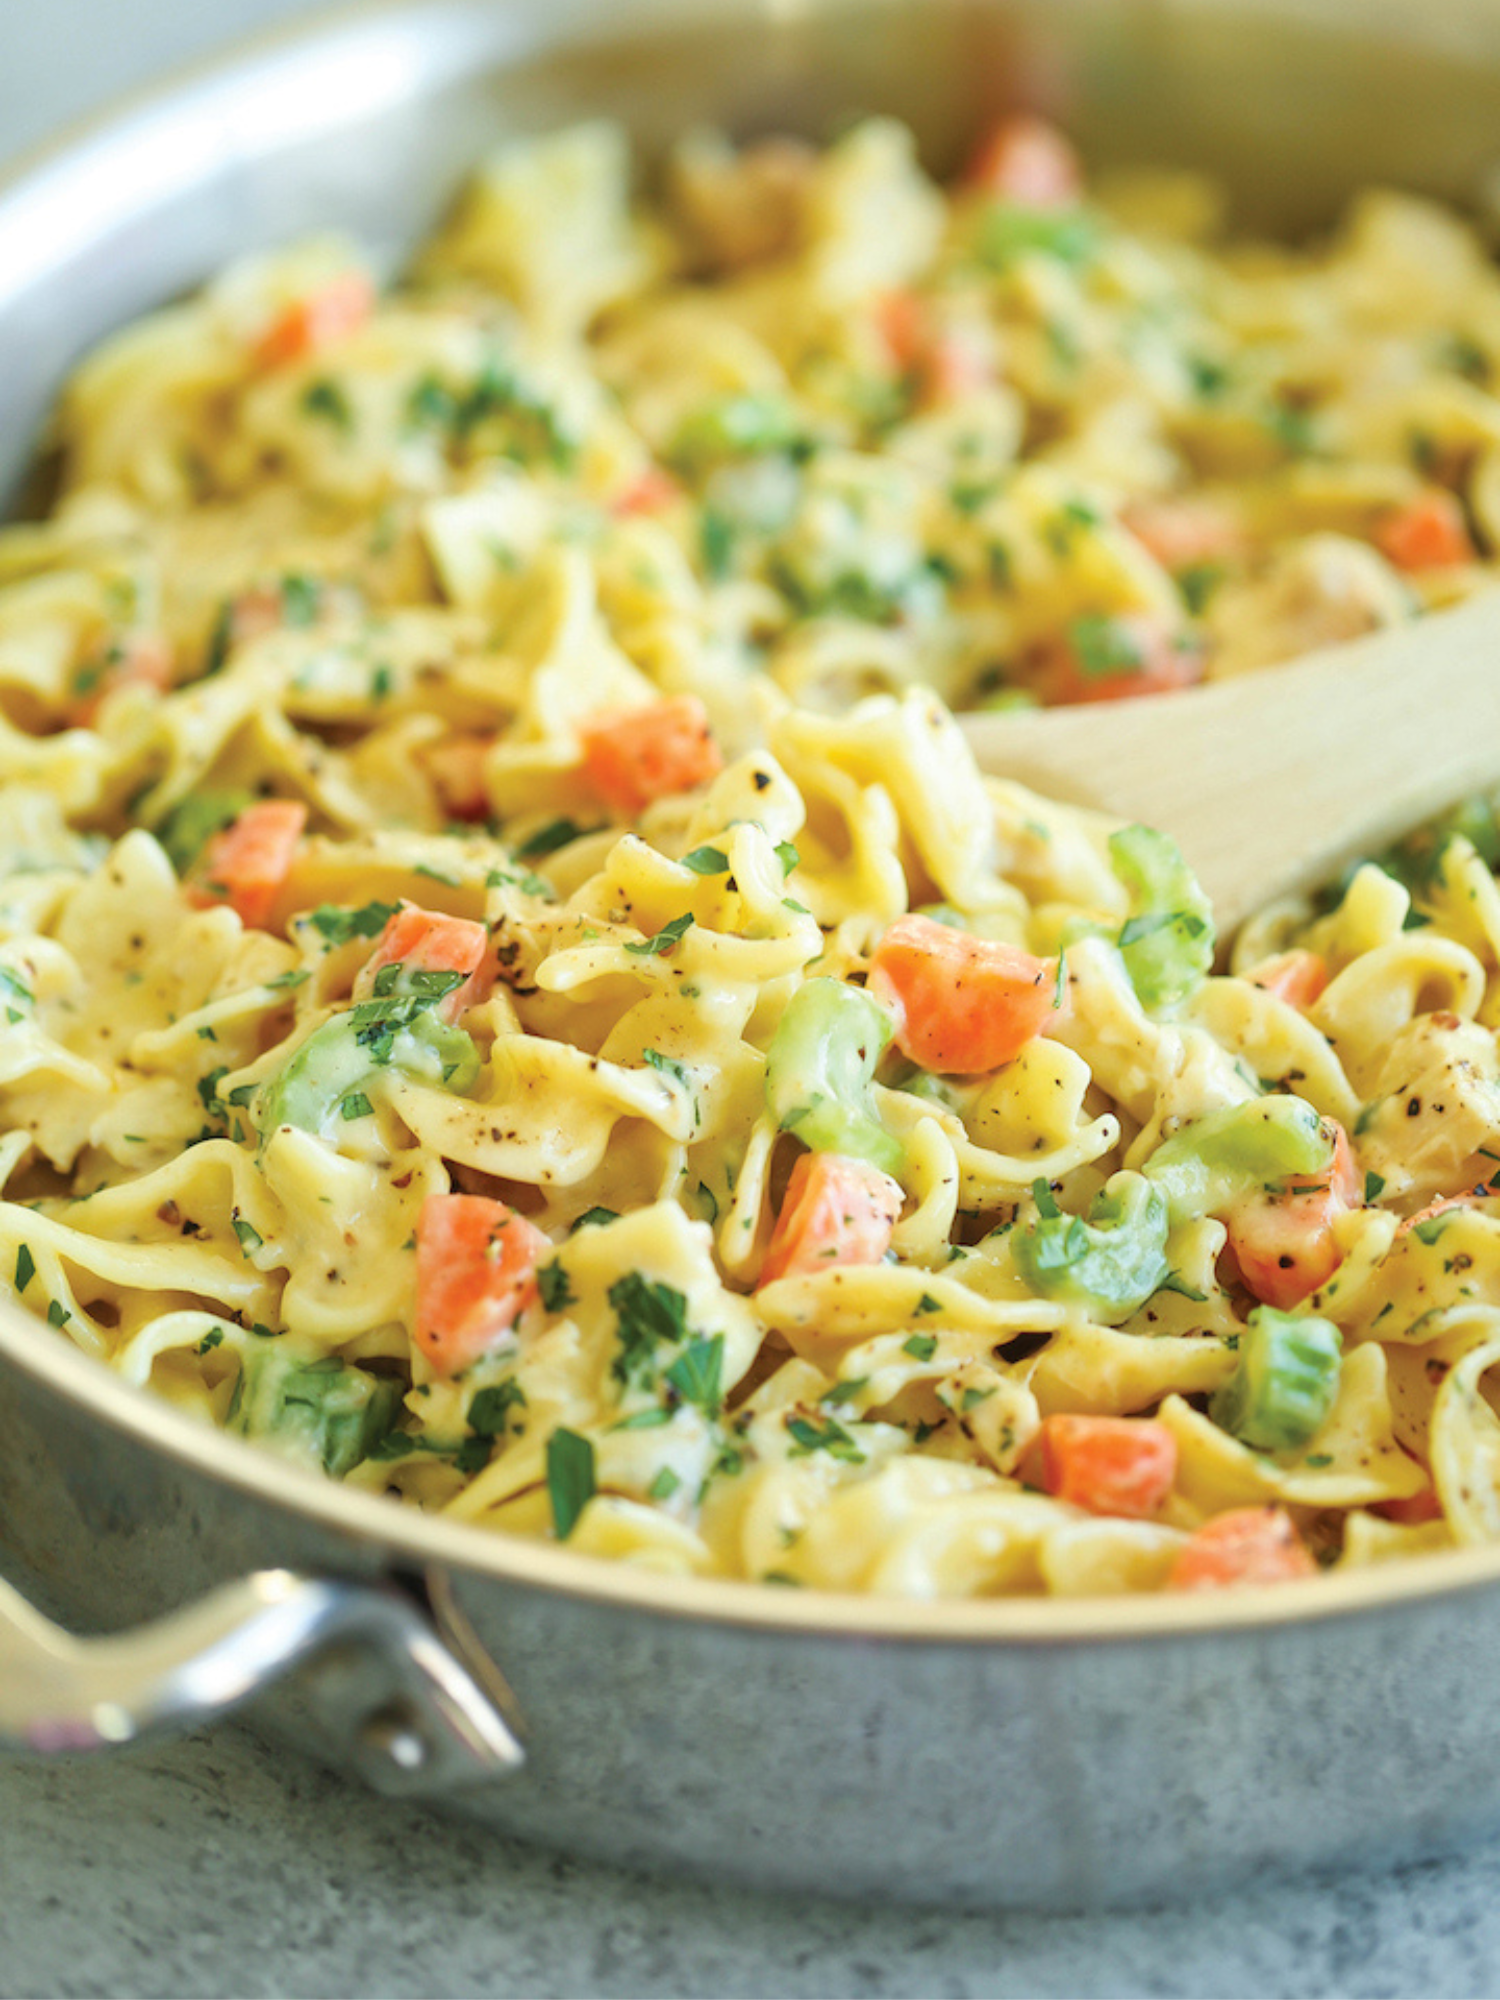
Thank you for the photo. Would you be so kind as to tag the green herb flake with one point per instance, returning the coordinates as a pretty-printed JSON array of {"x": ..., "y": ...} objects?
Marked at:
[
  {"x": 1374, "y": 1187},
  {"x": 644, "y": 1420},
  {"x": 665, "y": 1066},
  {"x": 1046, "y": 1201},
  {"x": 571, "y": 1481},
  {"x": 472, "y": 1456},
  {"x": 555, "y": 834},
  {"x": 594, "y": 1218},
  {"x": 324, "y": 398},
  {"x": 648, "y": 1314},
  {"x": 555, "y": 1287},
  {"x": 920, "y": 1346},
  {"x": 301, "y": 597},
  {"x": 716, "y": 536},
  {"x": 666, "y": 940},
  {"x": 707, "y": 861},
  {"x": 25, "y": 1267},
  {"x": 249, "y": 1236},
  {"x": 57, "y": 1313},
  {"x": 208, "y": 1087},
  {"x": 1103, "y": 648},
  {"x": 355, "y": 1105},
  {"x": 1175, "y": 1282},
  {"x": 664, "y": 1485},
  {"x": 339, "y": 926},
  {"x": 696, "y": 1373},
  {"x": 828, "y": 1436},
  {"x": 492, "y": 1406}
]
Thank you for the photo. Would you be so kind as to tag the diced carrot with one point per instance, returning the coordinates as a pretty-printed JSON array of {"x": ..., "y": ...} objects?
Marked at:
[
  {"x": 963, "y": 1004},
  {"x": 1284, "y": 1243},
  {"x": 1109, "y": 1465},
  {"x": 476, "y": 1274},
  {"x": 254, "y": 613},
  {"x": 428, "y": 941},
  {"x": 1248, "y": 1545},
  {"x": 1298, "y": 977},
  {"x": 902, "y": 321},
  {"x": 1441, "y": 1206},
  {"x": 634, "y": 755},
  {"x": 648, "y": 493},
  {"x": 456, "y": 767},
  {"x": 835, "y": 1211},
  {"x": 1111, "y": 659},
  {"x": 1413, "y": 1511},
  {"x": 246, "y": 863},
  {"x": 952, "y": 368},
  {"x": 1428, "y": 533},
  {"x": 317, "y": 321},
  {"x": 940, "y": 363},
  {"x": 143, "y": 659},
  {"x": 1186, "y": 530},
  {"x": 1026, "y": 159}
]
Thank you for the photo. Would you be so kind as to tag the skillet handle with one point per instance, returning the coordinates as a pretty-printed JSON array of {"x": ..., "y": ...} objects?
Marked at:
[{"x": 436, "y": 1725}]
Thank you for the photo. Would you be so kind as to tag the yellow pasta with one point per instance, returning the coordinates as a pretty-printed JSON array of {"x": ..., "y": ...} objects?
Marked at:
[{"x": 516, "y": 993}]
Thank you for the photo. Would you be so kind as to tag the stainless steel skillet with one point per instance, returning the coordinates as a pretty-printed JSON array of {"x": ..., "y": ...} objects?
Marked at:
[{"x": 1042, "y": 1754}]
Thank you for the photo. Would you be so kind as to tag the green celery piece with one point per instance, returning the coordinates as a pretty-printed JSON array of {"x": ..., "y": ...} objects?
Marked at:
[
  {"x": 820, "y": 1068},
  {"x": 194, "y": 820},
  {"x": 1208, "y": 1166},
  {"x": 1168, "y": 941},
  {"x": 345, "y": 1054},
  {"x": 321, "y": 1409},
  {"x": 1286, "y": 1382},
  {"x": 735, "y": 427},
  {"x": 1011, "y": 230},
  {"x": 1108, "y": 1266}
]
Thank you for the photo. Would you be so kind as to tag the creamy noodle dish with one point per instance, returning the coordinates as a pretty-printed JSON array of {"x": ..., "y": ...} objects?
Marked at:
[{"x": 516, "y": 993}]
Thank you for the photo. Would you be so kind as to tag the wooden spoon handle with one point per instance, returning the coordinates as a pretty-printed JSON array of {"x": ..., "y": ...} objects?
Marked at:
[{"x": 1272, "y": 782}]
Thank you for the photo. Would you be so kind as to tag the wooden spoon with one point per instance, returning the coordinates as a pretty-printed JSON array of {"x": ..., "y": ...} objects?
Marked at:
[{"x": 1273, "y": 781}]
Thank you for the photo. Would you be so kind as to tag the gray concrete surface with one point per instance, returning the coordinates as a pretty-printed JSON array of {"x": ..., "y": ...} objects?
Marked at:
[{"x": 218, "y": 1866}]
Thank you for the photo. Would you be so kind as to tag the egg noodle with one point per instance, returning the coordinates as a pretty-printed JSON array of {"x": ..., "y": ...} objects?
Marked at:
[{"x": 516, "y": 993}]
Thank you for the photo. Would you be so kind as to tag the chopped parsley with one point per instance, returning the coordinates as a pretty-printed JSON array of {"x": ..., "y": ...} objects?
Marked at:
[
  {"x": 555, "y": 1287},
  {"x": 697, "y": 1371},
  {"x": 492, "y": 1406},
  {"x": 594, "y": 1218},
  {"x": 25, "y": 1267},
  {"x": 571, "y": 1480},
  {"x": 665, "y": 1066},
  {"x": 1103, "y": 647},
  {"x": 648, "y": 1314},
  {"x": 666, "y": 940},
  {"x": 337, "y": 925},
  {"x": 547, "y": 839},
  {"x": 707, "y": 861},
  {"x": 324, "y": 398},
  {"x": 828, "y": 1436}
]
